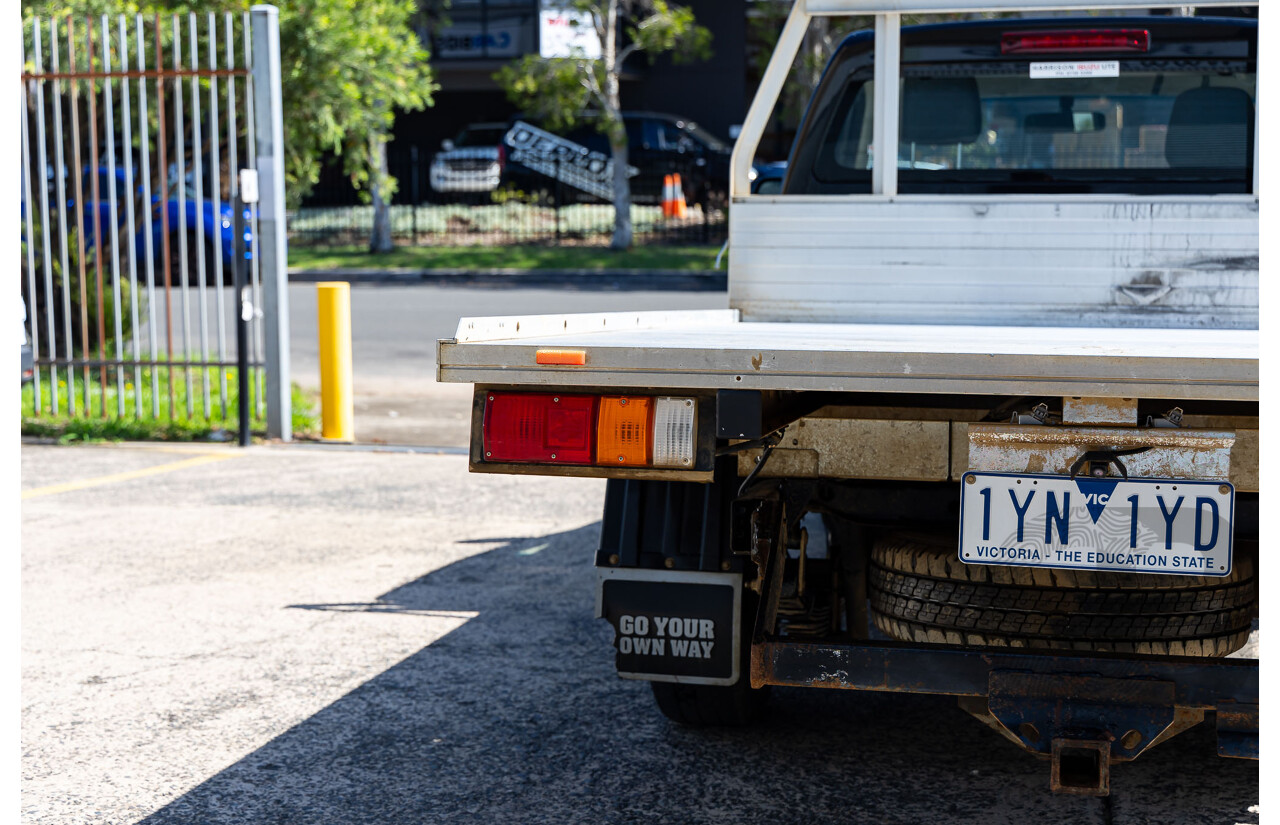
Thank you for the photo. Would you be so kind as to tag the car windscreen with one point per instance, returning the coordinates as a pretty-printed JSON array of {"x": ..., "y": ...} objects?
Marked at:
[{"x": 709, "y": 140}]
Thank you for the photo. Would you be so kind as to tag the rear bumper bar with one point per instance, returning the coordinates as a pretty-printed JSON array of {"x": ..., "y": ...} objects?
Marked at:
[{"x": 1099, "y": 694}]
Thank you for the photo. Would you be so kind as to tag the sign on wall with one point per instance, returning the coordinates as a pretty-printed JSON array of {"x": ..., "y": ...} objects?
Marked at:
[{"x": 567, "y": 33}]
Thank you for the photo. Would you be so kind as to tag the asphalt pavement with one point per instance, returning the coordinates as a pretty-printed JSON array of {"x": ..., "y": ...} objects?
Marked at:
[
  {"x": 309, "y": 634},
  {"x": 394, "y": 328}
]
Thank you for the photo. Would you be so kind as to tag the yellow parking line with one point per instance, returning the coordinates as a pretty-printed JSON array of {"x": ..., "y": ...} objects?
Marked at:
[{"x": 54, "y": 489}]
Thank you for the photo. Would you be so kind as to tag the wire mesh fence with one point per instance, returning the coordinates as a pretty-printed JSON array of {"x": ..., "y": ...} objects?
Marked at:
[
  {"x": 467, "y": 224},
  {"x": 478, "y": 201}
]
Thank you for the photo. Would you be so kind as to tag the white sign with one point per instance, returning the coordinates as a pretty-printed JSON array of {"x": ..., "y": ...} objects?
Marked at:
[
  {"x": 565, "y": 160},
  {"x": 1078, "y": 68},
  {"x": 249, "y": 185},
  {"x": 1139, "y": 525},
  {"x": 565, "y": 33}
]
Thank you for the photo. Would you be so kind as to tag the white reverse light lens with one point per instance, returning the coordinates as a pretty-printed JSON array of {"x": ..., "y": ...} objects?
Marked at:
[{"x": 674, "y": 422}]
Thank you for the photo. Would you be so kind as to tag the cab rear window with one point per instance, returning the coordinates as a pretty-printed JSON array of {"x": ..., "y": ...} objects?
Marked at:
[{"x": 1141, "y": 125}]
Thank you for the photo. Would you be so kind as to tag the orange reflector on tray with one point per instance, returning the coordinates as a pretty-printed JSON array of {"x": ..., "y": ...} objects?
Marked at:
[
  {"x": 561, "y": 357},
  {"x": 624, "y": 433}
]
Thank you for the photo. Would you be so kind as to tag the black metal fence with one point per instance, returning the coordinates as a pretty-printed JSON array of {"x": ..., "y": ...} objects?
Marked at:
[{"x": 542, "y": 210}]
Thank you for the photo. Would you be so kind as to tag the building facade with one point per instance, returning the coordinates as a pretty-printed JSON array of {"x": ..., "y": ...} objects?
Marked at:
[{"x": 472, "y": 39}]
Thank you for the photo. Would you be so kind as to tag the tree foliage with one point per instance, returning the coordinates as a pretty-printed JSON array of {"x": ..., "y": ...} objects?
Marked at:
[
  {"x": 346, "y": 66},
  {"x": 563, "y": 91}
]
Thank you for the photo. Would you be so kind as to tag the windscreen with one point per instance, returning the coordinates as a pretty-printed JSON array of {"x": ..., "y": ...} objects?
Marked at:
[{"x": 1007, "y": 126}]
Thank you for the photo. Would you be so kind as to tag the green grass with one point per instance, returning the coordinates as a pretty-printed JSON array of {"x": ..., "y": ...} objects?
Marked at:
[
  {"x": 172, "y": 424},
  {"x": 506, "y": 257}
]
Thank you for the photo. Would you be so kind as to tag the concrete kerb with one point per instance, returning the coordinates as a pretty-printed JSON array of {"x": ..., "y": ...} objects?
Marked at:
[{"x": 573, "y": 279}]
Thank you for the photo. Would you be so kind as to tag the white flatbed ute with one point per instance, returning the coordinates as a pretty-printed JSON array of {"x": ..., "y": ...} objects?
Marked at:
[
  {"x": 716, "y": 350},
  {"x": 983, "y": 422}
]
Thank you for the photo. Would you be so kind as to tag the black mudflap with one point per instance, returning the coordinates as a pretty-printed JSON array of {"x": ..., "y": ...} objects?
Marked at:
[{"x": 673, "y": 626}]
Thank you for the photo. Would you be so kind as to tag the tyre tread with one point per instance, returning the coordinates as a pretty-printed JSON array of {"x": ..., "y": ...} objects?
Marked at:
[{"x": 920, "y": 591}]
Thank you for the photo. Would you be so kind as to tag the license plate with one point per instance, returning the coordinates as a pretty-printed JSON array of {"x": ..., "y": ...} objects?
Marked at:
[{"x": 1139, "y": 525}]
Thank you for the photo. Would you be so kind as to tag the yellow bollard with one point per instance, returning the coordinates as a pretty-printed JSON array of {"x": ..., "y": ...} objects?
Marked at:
[{"x": 337, "y": 412}]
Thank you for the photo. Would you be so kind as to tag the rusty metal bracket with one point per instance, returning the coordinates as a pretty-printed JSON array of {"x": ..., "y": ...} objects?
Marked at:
[
  {"x": 1041, "y": 707},
  {"x": 1098, "y": 460},
  {"x": 1238, "y": 730}
]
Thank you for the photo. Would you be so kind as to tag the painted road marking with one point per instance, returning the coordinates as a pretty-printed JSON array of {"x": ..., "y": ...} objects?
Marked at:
[{"x": 70, "y": 486}]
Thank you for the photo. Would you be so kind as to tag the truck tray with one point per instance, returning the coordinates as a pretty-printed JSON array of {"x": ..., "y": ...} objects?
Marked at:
[{"x": 715, "y": 349}]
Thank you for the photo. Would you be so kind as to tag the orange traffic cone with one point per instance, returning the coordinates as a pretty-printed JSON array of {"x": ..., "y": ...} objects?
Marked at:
[
  {"x": 680, "y": 209},
  {"x": 668, "y": 196}
]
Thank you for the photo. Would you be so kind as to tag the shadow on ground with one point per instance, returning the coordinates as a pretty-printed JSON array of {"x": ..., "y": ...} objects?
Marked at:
[{"x": 517, "y": 717}]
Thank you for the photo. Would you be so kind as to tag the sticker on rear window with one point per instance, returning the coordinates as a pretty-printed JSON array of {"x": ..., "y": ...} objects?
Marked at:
[{"x": 1081, "y": 68}]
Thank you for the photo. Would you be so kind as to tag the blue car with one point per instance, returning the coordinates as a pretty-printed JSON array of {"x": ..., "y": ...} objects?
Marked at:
[
  {"x": 766, "y": 178},
  {"x": 216, "y": 237}
]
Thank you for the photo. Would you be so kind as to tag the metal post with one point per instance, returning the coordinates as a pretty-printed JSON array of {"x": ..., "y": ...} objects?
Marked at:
[
  {"x": 413, "y": 191},
  {"x": 269, "y": 243},
  {"x": 244, "y": 311},
  {"x": 559, "y": 195},
  {"x": 337, "y": 412},
  {"x": 884, "y": 169}
]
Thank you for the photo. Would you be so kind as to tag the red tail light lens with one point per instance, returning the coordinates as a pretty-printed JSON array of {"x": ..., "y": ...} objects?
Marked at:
[
  {"x": 1076, "y": 42},
  {"x": 502, "y": 157},
  {"x": 541, "y": 427}
]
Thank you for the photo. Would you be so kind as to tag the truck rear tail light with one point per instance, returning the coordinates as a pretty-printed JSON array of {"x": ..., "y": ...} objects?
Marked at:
[
  {"x": 604, "y": 431},
  {"x": 673, "y": 432},
  {"x": 624, "y": 435},
  {"x": 1076, "y": 42},
  {"x": 541, "y": 427}
]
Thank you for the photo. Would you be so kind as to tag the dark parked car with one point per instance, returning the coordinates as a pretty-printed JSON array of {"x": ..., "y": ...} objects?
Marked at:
[{"x": 657, "y": 145}]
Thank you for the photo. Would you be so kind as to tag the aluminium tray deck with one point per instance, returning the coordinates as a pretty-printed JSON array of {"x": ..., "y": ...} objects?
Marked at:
[{"x": 714, "y": 349}]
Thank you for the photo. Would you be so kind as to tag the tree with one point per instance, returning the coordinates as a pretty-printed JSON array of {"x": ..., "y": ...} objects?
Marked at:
[
  {"x": 561, "y": 90},
  {"x": 346, "y": 66}
]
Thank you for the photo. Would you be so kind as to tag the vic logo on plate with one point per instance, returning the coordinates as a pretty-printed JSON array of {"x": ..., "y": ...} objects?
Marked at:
[{"x": 1097, "y": 494}]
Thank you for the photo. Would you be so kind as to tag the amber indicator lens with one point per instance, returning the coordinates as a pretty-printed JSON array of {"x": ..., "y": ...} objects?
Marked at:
[{"x": 623, "y": 437}]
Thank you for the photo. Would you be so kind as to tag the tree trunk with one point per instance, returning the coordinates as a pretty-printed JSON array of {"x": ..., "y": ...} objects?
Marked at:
[
  {"x": 617, "y": 133},
  {"x": 380, "y": 241},
  {"x": 621, "y": 198}
]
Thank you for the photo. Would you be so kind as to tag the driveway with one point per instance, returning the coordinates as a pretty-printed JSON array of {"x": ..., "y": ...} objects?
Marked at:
[{"x": 312, "y": 635}]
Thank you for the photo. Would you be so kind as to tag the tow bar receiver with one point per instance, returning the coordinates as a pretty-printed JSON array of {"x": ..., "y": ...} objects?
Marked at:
[{"x": 1082, "y": 722}]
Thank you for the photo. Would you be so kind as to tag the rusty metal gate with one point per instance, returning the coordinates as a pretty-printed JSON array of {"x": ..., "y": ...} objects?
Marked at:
[{"x": 141, "y": 252}]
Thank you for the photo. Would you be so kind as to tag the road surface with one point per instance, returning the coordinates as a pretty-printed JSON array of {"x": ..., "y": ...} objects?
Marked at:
[
  {"x": 394, "y": 329},
  {"x": 307, "y": 634}
]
